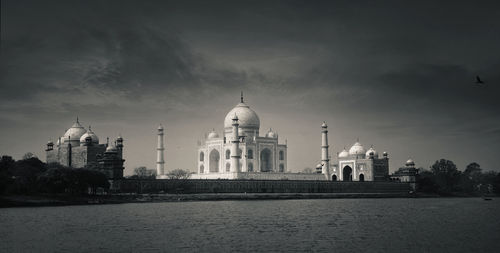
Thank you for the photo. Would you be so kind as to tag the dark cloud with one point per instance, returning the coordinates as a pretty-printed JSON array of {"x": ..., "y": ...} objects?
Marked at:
[{"x": 389, "y": 72}]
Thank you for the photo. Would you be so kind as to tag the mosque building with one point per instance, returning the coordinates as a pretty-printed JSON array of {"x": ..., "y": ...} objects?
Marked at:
[
  {"x": 359, "y": 164},
  {"x": 80, "y": 148},
  {"x": 242, "y": 153}
]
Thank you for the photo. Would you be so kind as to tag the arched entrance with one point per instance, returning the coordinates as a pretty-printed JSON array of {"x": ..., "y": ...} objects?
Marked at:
[
  {"x": 361, "y": 177},
  {"x": 334, "y": 178},
  {"x": 266, "y": 163},
  {"x": 347, "y": 173},
  {"x": 214, "y": 160}
]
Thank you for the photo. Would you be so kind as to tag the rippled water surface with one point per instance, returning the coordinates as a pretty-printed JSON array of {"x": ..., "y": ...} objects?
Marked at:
[{"x": 340, "y": 225}]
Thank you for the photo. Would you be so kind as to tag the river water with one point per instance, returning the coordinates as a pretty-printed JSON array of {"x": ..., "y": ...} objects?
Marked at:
[{"x": 340, "y": 225}]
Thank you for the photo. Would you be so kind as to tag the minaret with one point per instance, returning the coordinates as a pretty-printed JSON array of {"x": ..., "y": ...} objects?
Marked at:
[
  {"x": 160, "y": 162},
  {"x": 325, "y": 161},
  {"x": 235, "y": 157},
  {"x": 119, "y": 145}
]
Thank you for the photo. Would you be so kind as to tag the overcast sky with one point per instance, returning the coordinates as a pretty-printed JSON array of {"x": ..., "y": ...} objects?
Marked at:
[{"x": 396, "y": 74}]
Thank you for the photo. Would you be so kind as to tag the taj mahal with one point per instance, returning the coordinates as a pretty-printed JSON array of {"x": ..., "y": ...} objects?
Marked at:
[{"x": 240, "y": 152}]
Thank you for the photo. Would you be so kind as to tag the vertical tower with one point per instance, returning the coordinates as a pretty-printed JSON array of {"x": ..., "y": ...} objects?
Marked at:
[
  {"x": 325, "y": 161},
  {"x": 119, "y": 145},
  {"x": 235, "y": 157},
  {"x": 70, "y": 149},
  {"x": 160, "y": 162}
]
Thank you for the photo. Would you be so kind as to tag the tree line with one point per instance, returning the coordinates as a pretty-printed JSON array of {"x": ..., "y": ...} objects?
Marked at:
[
  {"x": 444, "y": 178},
  {"x": 31, "y": 176},
  {"x": 145, "y": 173}
]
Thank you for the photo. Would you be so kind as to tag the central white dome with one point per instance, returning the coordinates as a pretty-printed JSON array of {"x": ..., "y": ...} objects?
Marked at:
[{"x": 247, "y": 118}]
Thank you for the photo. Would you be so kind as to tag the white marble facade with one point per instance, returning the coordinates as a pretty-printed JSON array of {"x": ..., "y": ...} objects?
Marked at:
[
  {"x": 358, "y": 164},
  {"x": 258, "y": 154}
]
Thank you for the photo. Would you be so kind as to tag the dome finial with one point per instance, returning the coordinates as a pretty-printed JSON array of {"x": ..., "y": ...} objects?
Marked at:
[
  {"x": 90, "y": 128},
  {"x": 77, "y": 120},
  {"x": 242, "y": 96}
]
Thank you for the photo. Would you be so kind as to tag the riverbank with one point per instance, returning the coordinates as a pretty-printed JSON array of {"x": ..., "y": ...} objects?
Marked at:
[{"x": 64, "y": 200}]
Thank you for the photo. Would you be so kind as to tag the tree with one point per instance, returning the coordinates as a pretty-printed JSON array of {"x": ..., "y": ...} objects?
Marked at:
[
  {"x": 25, "y": 173},
  {"x": 57, "y": 179},
  {"x": 307, "y": 170},
  {"x": 179, "y": 174},
  {"x": 143, "y": 173},
  {"x": 426, "y": 182},
  {"x": 473, "y": 171},
  {"x": 496, "y": 184},
  {"x": 6, "y": 165},
  {"x": 471, "y": 177},
  {"x": 446, "y": 175},
  {"x": 28, "y": 156}
]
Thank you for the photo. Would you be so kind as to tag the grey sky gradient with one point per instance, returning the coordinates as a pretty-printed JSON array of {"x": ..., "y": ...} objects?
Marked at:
[{"x": 396, "y": 74}]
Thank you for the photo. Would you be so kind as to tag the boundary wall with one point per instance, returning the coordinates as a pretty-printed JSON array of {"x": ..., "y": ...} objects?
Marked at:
[{"x": 254, "y": 186}]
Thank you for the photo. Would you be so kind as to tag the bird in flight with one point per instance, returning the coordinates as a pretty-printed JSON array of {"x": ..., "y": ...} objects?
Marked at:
[{"x": 478, "y": 80}]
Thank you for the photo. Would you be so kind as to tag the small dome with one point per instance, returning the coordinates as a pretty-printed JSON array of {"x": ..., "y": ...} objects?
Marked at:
[
  {"x": 371, "y": 150},
  {"x": 410, "y": 162},
  {"x": 324, "y": 125},
  {"x": 343, "y": 154},
  {"x": 357, "y": 149},
  {"x": 160, "y": 127},
  {"x": 50, "y": 142},
  {"x": 319, "y": 166},
  {"x": 271, "y": 134},
  {"x": 119, "y": 138},
  {"x": 111, "y": 149},
  {"x": 213, "y": 135},
  {"x": 89, "y": 134},
  {"x": 75, "y": 132},
  {"x": 385, "y": 154}
]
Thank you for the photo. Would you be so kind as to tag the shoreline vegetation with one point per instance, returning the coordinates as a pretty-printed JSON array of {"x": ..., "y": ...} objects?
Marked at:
[
  {"x": 68, "y": 200},
  {"x": 31, "y": 182}
]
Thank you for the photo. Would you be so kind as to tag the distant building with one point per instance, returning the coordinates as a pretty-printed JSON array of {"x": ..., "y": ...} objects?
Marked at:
[
  {"x": 407, "y": 173},
  {"x": 358, "y": 164},
  {"x": 80, "y": 148}
]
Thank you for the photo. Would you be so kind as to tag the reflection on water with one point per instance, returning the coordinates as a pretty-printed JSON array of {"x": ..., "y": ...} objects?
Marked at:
[{"x": 340, "y": 225}]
